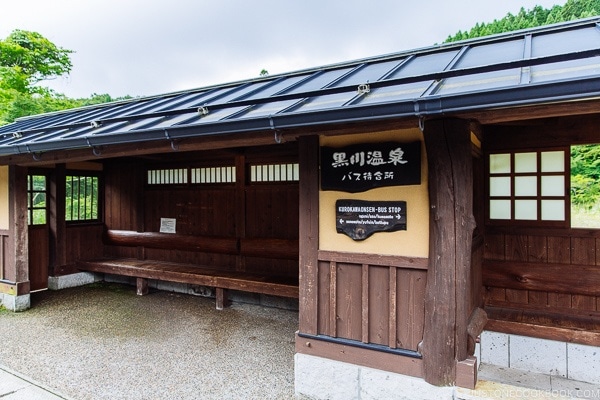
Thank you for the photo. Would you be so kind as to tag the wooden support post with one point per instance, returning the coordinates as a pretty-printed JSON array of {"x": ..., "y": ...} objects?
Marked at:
[
  {"x": 309, "y": 233},
  {"x": 56, "y": 219},
  {"x": 221, "y": 298},
  {"x": 17, "y": 268},
  {"x": 448, "y": 297},
  {"x": 142, "y": 286}
]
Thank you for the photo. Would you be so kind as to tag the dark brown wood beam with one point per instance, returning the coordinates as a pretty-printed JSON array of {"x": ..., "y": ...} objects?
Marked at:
[
  {"x": 309, "y": 233},
  {"x": 526, "y": 113},
  {"x": 172, "y": 241},
  {"x": 56, "y": 218},
  {"x": 17, "y": 269},
  {"x": 447, "y": 297},
  {"x": 545, "y": 277}
]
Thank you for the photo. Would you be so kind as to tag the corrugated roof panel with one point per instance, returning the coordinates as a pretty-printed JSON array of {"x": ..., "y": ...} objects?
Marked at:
[
  {"x": 318, "y": 80},
  {"x": 525, "y": 67},
  {"x": 169, "y": 121},
  {"x": 147, "y": 107},
  {"x": 240, "y": 92},
  {"x": 279, "y": 85},
  {"x": 565, "y": 70},
  {"x": 483, "y": 81},
  {"x": 491, "y": 53},
  {"x": 325, "y": 102},
  {"x": 369, "y": 73},
  {"x": 394, "y": 93},
  {"x": 425, "y": 64},
  {"x": 196, "y": 100},
  {"x": 562, "y": 42},
  {"x": 267, "y": 109},
  {"x": 212, "y": 116}
]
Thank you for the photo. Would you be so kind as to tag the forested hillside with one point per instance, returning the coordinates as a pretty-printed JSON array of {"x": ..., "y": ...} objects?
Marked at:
[{"x": 538, "y": 16}]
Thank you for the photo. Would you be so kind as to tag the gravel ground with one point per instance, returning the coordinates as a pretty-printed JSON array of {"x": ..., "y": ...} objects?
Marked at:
[{"x": 102, "y": 341}]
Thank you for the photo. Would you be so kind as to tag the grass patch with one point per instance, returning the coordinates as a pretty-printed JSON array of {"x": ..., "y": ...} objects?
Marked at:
[{"x": 582, "y": 217}]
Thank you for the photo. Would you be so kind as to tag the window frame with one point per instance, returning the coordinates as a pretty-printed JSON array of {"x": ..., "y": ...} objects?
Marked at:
[
  {"x": 99, "y": 204},
  {"x": 30, "y": 190},
  {"x": 538, "y": 197}
]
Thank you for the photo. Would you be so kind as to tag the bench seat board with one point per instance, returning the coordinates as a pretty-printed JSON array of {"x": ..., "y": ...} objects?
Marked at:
[{"x": 193, "y": 274}]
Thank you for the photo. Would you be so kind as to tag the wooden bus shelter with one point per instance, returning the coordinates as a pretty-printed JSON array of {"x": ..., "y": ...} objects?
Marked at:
[{"x": 414, "y": 204}]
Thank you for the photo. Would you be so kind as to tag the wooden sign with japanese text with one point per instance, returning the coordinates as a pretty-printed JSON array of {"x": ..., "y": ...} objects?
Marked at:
[
  {"x": 361, "y": 167},
  {"x": 360, "y": 219}
]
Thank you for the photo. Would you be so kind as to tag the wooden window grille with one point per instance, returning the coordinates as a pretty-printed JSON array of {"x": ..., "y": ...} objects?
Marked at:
[
  {"x": 213, "y": 175},
  {"x": 275, "y": 172},
  {"x": 528, "y": 186},
  {"x": 173, "y": 176},
  {"x": 36, "y": 200},
  {"x": 82, "y": 198}
]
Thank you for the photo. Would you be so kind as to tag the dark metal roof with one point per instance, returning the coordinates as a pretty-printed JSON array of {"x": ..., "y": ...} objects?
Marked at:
[{"x": 555, "y": 63}]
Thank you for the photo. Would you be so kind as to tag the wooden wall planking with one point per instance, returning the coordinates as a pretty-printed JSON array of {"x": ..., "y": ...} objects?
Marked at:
[
  {"x": 545, "y": 276},
  {"x": 39, "y": 256},
  {"x": 242, "y": 210},
  {"x": 386, "y": 308}
]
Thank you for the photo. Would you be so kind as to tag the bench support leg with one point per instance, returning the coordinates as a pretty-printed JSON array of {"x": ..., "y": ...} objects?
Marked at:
[
  {"x": 142, "y": 286},
  {"x": 221, "y": 298}
]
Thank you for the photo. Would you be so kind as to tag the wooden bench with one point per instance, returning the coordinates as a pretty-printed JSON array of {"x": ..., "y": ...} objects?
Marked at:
[{"x": 220, "y": 279}]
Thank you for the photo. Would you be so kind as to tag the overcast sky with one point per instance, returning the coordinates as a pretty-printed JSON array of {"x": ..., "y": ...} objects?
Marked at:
[{"x": 148, "y": 47}]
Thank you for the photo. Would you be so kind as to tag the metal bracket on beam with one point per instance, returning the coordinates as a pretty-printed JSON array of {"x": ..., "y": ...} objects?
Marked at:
[
  {"x": 203, "y": 110},
  {"x": 364, "y": 88}
]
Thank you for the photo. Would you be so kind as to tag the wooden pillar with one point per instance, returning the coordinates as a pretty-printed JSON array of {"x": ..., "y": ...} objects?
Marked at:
[
  {"x": 309, "y": 233},
  {"x": 56, "y": 219},
  {"x": 18, "y": 263},
  {"x": 240, "y": 206},
  {"x": 447, "y": 298}
]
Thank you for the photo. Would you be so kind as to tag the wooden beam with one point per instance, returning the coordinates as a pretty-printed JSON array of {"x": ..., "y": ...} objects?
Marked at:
[
  {"x": 56, "y": 218},
  {"x": 545, "y": 332},
  {"x": 525, "y": 113},
  {"x": 221, "y": 298},
  {"x": 360, "y": 356},
  {"x": 447, "y": 297},
  {"x": 141, "y": 286},
  {"x": 18, "y": 266},
  {"x": 172, "y": 241},
  {"x": 309, "y": 233},
  {"x": 545, "y": 277}
]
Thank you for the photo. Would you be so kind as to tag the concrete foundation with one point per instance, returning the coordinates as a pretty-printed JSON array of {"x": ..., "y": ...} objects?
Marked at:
[
  {"x": 567, "y": 360},
  {"x": 72, "y": 280},
  {"x": 15, "y": 303},
  {"x": 322, "y": 378}
]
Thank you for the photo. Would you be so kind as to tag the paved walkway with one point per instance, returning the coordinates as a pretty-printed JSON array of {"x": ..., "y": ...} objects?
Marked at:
[
  {"x": 104, "y": 342},
  {"x": 14, "y": 386}
]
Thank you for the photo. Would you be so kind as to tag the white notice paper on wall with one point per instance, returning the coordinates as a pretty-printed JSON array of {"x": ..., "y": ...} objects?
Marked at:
[{"x": 167, "y": 225}]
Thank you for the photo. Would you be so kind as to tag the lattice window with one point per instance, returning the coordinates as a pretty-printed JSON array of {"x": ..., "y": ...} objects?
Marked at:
[
  {"x": 82, "y": 198},
  {"x": 213, "y": 175},
  {"x": 528, "y": 186},
  {"x": 173, "y": 176},
  {"x": 275, "y": 173},
  {"x": 36, "y": 199}
]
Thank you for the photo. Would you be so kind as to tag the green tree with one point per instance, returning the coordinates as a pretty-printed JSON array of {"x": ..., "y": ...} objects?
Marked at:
[
  {"x": 27, "y": 58},
  {"x": 537, "y": 16}
]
